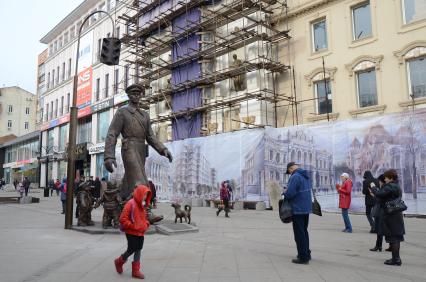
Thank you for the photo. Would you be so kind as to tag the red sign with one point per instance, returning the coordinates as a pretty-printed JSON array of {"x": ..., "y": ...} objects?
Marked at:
[
  {"x": 64, "y": 119},
  {"x": 84, "y": 112},
  {"x": 84, "y": 88}
]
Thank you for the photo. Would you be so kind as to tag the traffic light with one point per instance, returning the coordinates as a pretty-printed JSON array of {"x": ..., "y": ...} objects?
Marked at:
[{"x": 110, "y": 53}]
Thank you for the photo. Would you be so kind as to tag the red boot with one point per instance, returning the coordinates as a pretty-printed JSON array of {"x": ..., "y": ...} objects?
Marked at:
[
  {"x": 136, "y": 266},
  {"x": 119, "y": 264}
]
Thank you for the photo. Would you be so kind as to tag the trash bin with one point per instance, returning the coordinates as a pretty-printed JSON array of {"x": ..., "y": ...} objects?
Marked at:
[{"x": 46, "y": 192}]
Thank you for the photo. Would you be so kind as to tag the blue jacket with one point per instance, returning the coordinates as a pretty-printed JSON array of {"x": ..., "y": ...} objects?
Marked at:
[{"x": 299, "y": 192}]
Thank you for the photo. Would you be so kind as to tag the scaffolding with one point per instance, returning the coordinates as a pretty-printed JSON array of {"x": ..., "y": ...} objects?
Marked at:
[{"x": 235, "y": 93}]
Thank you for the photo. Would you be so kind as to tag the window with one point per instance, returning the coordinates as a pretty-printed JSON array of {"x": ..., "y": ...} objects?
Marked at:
[
  {"x": 366, "y": 88},
  {"x": 50, "y": 139},
  {"x": 69, "y": 67},
  {"x": 417, "y": 77},
  {"x": 27, "y": 111},
  {"x": 361, "y": 21},
  {"x": 126, "y": 76},
  {"x": 63, "y": 137},
  {"x": 66, "y": 38},
  {"x": 106, "y": 84},
  {"x": 319, "y": 35},
  {"x": 57, "y": 75},
  {"x": 53, "y": 78},
  {"x": 321, "y": 99},
  {"x": 9, "y": 124},
  {"x": 67, "y": 109},
  {"x": 47, "y": 111},
  {"x": 51, "y": 110},
  {"x": 98, "y": 88},
  {"x": 117, "y": 32},
  {"x": 63, "y": 71},
  {"x": 84, "y": 130},
  {"x": 413, "y": 10},
  {"x": 116, "y": 81},
  {"x": 271, "y": 155},
  {"x": 94, "y": 17},
  {"x": 55, "y": 46},
  {"x": 56, "y": 108},
  {"x": 26, "y": 125},
  {"x": 103, "y": 124},
  {"x": 48, "y": 80},
  {"x": 101, "y": 171},
  {"x": 10, "y": 109},
  {"x": 99, "y": 49},
  {"x": 72, "y": 32},
  {"x": 61, "y": 107}
]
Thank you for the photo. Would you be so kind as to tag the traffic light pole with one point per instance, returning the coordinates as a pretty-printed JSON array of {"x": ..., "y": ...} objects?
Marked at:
[{"x": 73, "y": 129}]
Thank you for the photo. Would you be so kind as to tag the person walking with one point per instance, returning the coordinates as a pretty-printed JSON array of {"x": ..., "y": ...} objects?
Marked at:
[
  {"x": 369, "y": 198},
  {"x": 63, "y": 189},
  {"x": 26, "y": 183},
  {"x": 15, "y": 183},
  {"x": 104, "y": 186},
  {"x": 153, "y": 193},
  {"x": 51, "y": 186},
  {"x": 21, "y": 189},
  {"x": 58, "y": 186},
  {"x": 299, "y": 193},
  {"x": 392, "y": 224},
  {"x": 134, "y": 222},
  {"x": 97, "y": 189},
  {"x": 345, "y": 190},
  {"x": 224, "y": 197}
]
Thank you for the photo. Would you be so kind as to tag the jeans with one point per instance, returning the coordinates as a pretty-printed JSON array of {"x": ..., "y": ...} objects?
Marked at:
[
  {"x": 345, "y": 215},
  {"x": 368, "y": 210},
  {"x": 301, "y": 236}
]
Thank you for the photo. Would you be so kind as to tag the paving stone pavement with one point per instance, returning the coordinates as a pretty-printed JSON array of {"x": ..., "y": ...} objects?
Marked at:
[{"x": 249, "y": 246}]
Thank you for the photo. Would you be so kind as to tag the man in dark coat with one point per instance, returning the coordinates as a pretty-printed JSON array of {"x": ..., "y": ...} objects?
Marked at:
[
  {"x": 299, "y": 192},
  {"x": 369, "y": 199},
  {"x": 26, "y": 183},
  {"x": 135, "y": 127}
]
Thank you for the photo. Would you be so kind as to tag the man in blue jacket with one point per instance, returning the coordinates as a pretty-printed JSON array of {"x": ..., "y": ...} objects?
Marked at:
[{"x": 299, "y": 194}]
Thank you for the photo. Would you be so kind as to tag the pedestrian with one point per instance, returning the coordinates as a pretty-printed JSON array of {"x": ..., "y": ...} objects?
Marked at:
[
  {"x": 392, "y": 224},
  {"x": 369, "y": 199},
  {"x": 299, "y": 192},
  {"x": 57, "y": 186},
  {"x": 15, "y": 183},
  {"x": 63, "y": 189},
  {"x": 26, "y": 183},
  {"x": 153, "y": 193},
  {"x": 21, "y": 189},
  {"x": 51, "y": 186},
  {"x": 378, "y": 216},
  {"x": 345, "y": 190},
  {"x": 1, "y": 183},
  {"x": 224, "y": 197},
  {"x": 104, "y": 186},
  {"x": 134, "y": 222},
  {"x": 97, "y": 189}
]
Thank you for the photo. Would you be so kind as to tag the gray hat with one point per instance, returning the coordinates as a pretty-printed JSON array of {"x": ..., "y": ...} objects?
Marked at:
[{"x": 135, "y": 88}]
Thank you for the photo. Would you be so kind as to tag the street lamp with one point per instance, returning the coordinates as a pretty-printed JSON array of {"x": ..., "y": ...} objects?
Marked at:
[
  {"x": 46, "y": 158},
  {"x": 73, "y": 128}
]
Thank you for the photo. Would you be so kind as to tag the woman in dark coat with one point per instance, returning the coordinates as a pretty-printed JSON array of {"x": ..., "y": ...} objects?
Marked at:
[
  {"x": 378, "y": 217},
  {"x": 369, "y": 198},
  {"x": 392, "y": 224}
]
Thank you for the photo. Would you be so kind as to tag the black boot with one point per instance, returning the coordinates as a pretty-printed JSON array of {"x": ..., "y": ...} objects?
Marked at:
[
  {"x": 376, "y": 248},
  {"x": 395, "y": 260}
]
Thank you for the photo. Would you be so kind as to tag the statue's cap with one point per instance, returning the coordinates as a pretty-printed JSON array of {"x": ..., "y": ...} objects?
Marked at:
[{"x": 135, "y": 88}]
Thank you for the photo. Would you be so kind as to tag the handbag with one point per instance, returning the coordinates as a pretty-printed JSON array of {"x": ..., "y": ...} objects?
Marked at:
[
  {"x": 285, "y": 210},
  {"x": 316, "y": 208},
  {"x": 395, "y": 206}
]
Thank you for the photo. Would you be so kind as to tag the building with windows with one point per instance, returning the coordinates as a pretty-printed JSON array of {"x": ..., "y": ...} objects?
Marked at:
[
  {"x": 18, "y": 158},
  {"x": 17, "y": 111},
  {"x": 348, "y": 59},
  {"x": 374, "y": 58}
]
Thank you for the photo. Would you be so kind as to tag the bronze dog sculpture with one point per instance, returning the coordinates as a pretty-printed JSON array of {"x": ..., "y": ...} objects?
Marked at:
[{"x": 186, "y": 213}]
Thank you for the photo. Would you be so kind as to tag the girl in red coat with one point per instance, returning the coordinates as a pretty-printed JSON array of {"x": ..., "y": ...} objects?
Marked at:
[
  {"x": 345, "y": 190},
  {"x": 134, "y": 222}
]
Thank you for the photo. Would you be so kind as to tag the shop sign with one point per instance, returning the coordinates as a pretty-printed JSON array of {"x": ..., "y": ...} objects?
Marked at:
[
  {"x": 9, "y": 165},
  {"x": 84, "y": 112},
  {"x": 84, "y": 88},
  {"x": 98, "y": 148},
  {"x": 102, "y": 105},
  {"x": 120, "y": 98}
]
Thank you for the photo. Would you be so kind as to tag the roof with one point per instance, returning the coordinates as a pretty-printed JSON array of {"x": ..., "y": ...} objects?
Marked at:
[
  {"x": 70, "y": 19},
  {"x": 22, "y": 138},
  {"x": 18, "y": 87}
]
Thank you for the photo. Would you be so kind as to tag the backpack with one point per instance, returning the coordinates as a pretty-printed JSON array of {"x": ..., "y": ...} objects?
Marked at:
[{"x": 132, "y": 203}]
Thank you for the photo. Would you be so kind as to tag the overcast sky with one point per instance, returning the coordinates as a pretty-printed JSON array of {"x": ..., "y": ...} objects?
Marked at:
[{"x": 22, "y": 24}]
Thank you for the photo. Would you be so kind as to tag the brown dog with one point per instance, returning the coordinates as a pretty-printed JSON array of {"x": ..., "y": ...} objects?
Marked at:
[{"x": 186, "y": 214}]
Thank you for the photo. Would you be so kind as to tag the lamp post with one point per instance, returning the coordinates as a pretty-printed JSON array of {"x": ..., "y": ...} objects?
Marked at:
[
  {"x": 48, "y": 150},
  {"x": 73, "y": 130}
]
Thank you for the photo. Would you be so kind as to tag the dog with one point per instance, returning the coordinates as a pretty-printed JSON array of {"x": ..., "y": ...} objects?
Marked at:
[{"x": 186, "y": 214}]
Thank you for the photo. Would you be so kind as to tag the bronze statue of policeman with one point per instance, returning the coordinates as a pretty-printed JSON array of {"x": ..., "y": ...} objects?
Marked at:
[{"x": 134, "y": 125}]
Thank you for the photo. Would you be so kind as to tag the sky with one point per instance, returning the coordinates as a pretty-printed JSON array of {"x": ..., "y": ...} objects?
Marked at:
[{"x": 22, "y": 25}]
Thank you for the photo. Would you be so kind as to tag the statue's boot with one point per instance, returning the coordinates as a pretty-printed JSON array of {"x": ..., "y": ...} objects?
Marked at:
[{"x": 155, "y": 218}]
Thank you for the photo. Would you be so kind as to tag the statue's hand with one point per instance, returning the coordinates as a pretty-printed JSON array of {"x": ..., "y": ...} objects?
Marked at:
[
  {"x": 109, "y": 165},
  {"x": 168, "y": 155}
]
